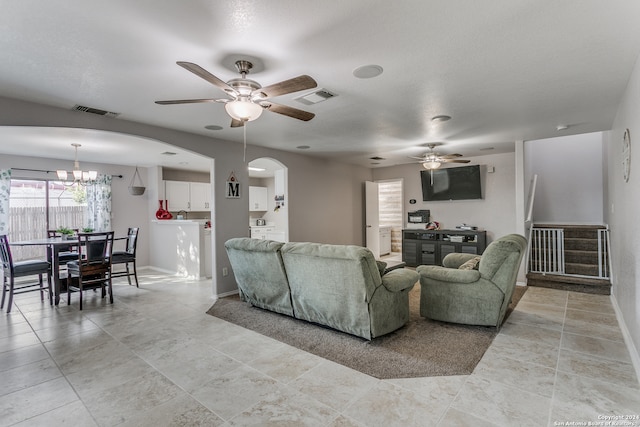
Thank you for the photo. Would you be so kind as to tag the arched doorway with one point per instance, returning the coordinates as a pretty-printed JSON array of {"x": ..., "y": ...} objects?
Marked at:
[{"x": 268, "y": 199}]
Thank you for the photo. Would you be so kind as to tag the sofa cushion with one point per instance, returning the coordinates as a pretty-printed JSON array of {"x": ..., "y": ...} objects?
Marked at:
[{"x": 472, "y": 264}]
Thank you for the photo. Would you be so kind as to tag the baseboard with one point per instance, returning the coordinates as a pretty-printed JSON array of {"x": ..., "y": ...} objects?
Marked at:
[
  {"x": 633, "y": 351},
  {"x": 226, "y": 294},
  {"x": 161, "y": 270}
]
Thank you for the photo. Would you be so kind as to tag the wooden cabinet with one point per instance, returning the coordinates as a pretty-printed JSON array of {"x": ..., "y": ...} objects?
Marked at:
[
  {"x": 258, "y": 198},
  {"x": 429, "y": 247},
  {"x": 188, "y": 196}
]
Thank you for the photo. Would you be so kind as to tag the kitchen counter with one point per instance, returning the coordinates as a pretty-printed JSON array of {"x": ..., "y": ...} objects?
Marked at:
[{"x": 180, "y": 247}]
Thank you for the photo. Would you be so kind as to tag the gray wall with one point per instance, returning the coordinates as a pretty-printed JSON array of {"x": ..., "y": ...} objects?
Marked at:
[
  {"x": 622, "y": 201},
  {"x": 495, "y": 213},
  {"x": 325, "y": 197},
  {"x": 570, "y": 178}
]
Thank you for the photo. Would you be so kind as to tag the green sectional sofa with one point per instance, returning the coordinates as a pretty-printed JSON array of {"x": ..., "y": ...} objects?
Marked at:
[{"x": 339, "y": 286}]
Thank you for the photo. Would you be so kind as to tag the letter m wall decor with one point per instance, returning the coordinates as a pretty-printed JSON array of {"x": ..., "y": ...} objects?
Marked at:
[{"x": 232, "y": 190}]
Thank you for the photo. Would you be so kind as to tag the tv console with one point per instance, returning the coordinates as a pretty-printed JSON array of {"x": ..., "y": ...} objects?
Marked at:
[{"x": 429, "y": 247}]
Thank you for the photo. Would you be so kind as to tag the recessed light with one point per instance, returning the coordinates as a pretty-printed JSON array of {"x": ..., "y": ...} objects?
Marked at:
[
  {"x": 303, "y": 147},
  {"x": 562, "y": 127},
  {"x": 441, "y": 118},
  {"x": 213, "y": 127},
  {"x": 368, "y": 71}
]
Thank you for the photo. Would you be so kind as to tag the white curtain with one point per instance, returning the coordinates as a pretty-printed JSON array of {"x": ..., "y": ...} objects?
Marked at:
[
  {"x": 5, "y": 188},
  {"x": 99, "y": 204}
]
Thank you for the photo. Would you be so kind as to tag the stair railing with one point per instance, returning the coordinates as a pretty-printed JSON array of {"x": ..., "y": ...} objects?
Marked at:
[
  {"x": 546, "y": 252},
  {"x": 604, "y": 256}
]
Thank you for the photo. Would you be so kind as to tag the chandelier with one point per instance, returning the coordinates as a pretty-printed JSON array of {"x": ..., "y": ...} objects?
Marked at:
[{"x": 78, "y": 174}]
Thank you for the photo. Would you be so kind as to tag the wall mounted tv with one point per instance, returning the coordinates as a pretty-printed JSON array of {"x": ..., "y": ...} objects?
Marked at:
[{"x": 461, "y": 183}]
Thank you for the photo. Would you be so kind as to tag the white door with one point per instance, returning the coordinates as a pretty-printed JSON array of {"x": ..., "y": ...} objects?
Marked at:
[{"x": 372, "y": 218}]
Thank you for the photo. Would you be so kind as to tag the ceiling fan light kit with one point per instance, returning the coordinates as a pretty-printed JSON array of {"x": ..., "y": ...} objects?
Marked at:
[
  {"x": 243, "y": 110},
  {"x": 432, "y": 164}
]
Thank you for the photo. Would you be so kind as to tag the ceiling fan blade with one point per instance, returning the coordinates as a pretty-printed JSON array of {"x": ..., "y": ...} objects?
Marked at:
[
  {"x": 204, "y": 74},
  {"x": 189, "y": 101},
  {"x": 450, "y": 156},
  {"x": 236, "y": 123},
  {"x": 288, "y": 111},
  {"x": 288, "y": 86},
  {"x": 417, "y": 158},
  {"x": 454, "y": 161}
]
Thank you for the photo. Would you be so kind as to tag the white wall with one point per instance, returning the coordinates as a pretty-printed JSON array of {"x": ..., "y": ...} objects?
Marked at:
[
  {"x": 495, "y": 213},
  {"x": 127, "y": 210},
  {"x": 570, "y": 178},
  {"x": 622, "y": 200},
  {"x": 325, "y": 197}
]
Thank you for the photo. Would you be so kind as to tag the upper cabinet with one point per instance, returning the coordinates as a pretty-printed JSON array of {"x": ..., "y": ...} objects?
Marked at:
[
  {"x": 258, "y": 198},
  {"x": 188, "y": 196},
  {"x": 200, "y": 196}
]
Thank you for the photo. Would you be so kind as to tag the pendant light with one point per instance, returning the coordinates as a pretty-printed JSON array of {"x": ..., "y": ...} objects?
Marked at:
[{"x": 78, "y": 174}]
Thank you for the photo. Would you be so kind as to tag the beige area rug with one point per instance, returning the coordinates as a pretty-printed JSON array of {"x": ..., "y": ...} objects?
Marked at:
[{"x": 422, "y": 348}]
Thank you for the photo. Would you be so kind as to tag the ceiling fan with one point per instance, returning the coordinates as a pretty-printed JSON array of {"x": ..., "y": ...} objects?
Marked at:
[
  {"x": 247, "y": 98},
  {"x": 432, "y": 160}
]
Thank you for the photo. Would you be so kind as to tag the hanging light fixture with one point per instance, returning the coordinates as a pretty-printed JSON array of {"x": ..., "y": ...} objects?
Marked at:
[
  {"x": 431, "y": 161},
  {"x": 78, "y": 174},
  {"x": 243, "y": 109}
]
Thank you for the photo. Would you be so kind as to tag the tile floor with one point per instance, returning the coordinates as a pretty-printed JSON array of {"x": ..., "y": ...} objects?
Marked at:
[{"x": 154, "y": 358}]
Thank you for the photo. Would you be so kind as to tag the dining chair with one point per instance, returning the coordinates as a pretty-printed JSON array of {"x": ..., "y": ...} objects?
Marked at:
[
  {"x": 127, "y": 256},
  {"x": 12, "y": 270},
  {"x": 65, "y": 256},
  {"x": 92, "y": 268}
]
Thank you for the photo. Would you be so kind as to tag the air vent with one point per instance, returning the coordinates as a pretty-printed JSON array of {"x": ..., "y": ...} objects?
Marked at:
[
  {"x": 95, "y": 111},
  {"x": 315, "y": 97}
]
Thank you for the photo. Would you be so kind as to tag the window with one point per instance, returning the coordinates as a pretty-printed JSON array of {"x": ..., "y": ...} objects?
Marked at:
[{"x": 37, "y": 206}]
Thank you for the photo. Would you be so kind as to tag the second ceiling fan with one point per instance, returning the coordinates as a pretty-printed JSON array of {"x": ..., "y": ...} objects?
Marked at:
[
  {"x": 432, "y": 160},
  {"x": 247, "y": 98}
]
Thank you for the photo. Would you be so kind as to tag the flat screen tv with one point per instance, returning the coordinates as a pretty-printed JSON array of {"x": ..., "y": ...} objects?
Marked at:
[{"x": 461, "y": 183}]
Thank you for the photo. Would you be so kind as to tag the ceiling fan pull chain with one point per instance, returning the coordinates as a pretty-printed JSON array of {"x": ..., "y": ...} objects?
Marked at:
[{"x": 244, "y": 132}]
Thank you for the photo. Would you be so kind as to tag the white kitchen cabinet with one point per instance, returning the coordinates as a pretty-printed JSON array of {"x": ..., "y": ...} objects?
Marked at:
[
  {"x": 188, "y": 196},
  {"x": 261, "y": 232},
  {"x": 385, "y": 240},
  {"x": 200, "y": 193},
  {"x": 258, "y": 198},
  {"x": 177, "y": 195}
]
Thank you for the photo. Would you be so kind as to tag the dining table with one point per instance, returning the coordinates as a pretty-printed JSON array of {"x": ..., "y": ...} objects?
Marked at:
[{"x": 54, "y": 246}]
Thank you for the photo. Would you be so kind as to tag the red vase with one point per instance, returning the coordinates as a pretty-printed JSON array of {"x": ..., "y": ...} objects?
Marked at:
[
  {"x": 160, "y": 211},
  {"x": 167, "y": 214}
]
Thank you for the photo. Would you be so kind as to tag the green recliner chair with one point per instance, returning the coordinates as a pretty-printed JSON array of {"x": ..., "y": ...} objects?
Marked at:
[{"x": 476, "y": 296}]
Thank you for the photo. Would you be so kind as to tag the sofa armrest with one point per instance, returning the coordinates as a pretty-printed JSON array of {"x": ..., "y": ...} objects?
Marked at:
[
  {"x": 400, "y": 279},
  {"x": 455, "y": 260},
  {"x": 452, "y": 275}
]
